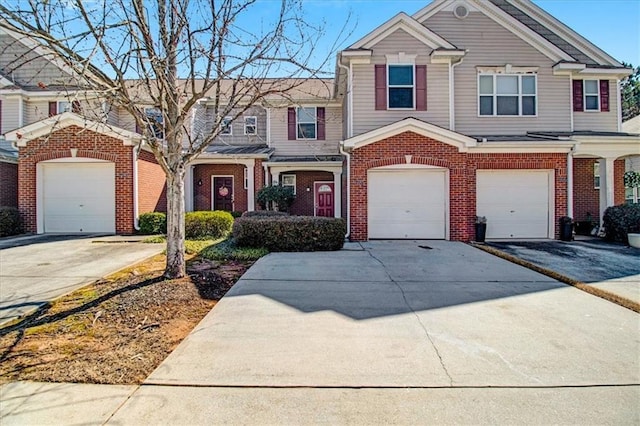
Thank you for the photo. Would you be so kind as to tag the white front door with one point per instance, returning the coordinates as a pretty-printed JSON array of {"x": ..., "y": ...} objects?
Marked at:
[
  {"x": 516, "y": 203},
  {"x": 78, "y": 197},
  {"x": 407, "y": 203}
]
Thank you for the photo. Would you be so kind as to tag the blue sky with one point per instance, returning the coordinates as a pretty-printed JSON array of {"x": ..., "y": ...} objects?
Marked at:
[{"x": 613, "y": 25}]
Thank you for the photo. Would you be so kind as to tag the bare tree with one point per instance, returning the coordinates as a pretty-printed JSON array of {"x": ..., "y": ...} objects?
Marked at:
[{"x": 168, "y": 55}]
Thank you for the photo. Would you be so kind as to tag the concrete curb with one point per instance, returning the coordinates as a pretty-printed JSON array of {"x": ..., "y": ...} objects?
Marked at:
[{"x": 603, "y": 294}]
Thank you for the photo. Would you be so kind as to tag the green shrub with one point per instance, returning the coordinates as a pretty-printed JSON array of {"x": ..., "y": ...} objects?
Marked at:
[
  {"x": 290, "y": 233},
  {"x": 620, "y": 220},
  {"x": 10, "y": 223},
  {"x": 236, "y": 214},
  {"x": 264, "y": 213},
  {"x": 228, "y": 250},
  {"x": 208, "y": 224},
  {"x": 152, "y": 223},
  {"x": 276, "y": 195}
]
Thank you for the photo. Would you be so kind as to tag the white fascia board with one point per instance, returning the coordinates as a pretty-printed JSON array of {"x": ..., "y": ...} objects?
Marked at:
[
  {"x": 406, "y": 23},
  {"x": 431, "y": 9},
  {"x": 4, "y": 82},
  {"x": 516, "y": 147},
  {"x": 603, "y": 72},
  {"x": 460, "y": 141},
  {"x": 562, "y": 30},
  {"x": 607, "y": 147},
  {"x": 44, "y": 127}
]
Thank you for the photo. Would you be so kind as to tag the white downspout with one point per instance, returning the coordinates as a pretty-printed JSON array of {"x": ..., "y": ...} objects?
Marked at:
[
  {"x": 452, "y": 106},
  {"x": 136, "y": 225},
  {"x": 349, "y": 71},
  {"x": 570, "y": 183},
  {"x": 619, "y": 106},
  {"x": 571, "y": 100},
  {"x": 348, "y": 206},
  {"x": 268, "y": 127}
]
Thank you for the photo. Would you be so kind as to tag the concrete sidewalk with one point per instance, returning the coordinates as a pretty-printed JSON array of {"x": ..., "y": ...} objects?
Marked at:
[{"x": 396, "y": 334}]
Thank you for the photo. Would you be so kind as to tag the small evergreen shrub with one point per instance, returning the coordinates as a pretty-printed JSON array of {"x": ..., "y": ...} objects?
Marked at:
[
  {"x": 290, "y": 233},
  {"x": 276, "y": 196},
  {"x": 152, "y": 223},
  {"x": 208, "y": 224},
  {"x": 620, "y": 220},
  {"x": 10, "y": 222}
]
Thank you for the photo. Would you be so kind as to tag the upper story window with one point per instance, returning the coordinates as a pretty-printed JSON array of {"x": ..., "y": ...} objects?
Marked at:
[
  {"x": 251, "y": 125},
  {"x": 227, "y": 128},
  {"x": 400, "y": 86},
  {"x": 58, "y": 107},
  {"x": 154, "y": 115},
  {"x": 507, "y": 94},
  {"x": 591, "y": 95},
  {"x": 306, "y": 122}
]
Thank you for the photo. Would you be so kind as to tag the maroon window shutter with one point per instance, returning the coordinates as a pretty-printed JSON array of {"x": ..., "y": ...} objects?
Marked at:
[
  {"x": 381, "y": 87},
  {"x": 138, "y": 128},
  {"x": 75, "y": 107},
  {"x": 421, "y": 87},
  {"x": 53, "y": 108},
  {"x": 320, "y": 118},
  {"x": 604, "y": 95},
  {"x": 291, "y": 124},
  {"x": 577, "y": 96}
]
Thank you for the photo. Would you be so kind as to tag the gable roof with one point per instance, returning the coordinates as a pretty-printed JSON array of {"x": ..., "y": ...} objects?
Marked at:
[
  {"x": 632, "y": 125},
  {"x": 44, "y": 127},
  {"x": 534, "y": 25},
  {"x": 406, "y": 23}
]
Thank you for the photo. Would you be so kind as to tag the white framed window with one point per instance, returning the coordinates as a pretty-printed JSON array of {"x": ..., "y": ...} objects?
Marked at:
[
  {"x": 64, "y": 106},
  {"x": 507, "y": 94},
  {"x": 154, "y": 115},
  {"x": 288, "y": 181},
  {"x": 227, "y": 128},
  {"x": 401, "y": 86},
  {"x": 245, "y": 178},
  {"x": 596, "y": 175},
  {"x": 591, "y": 95},
  {"x": 251, "y": 125},
  {"x": 306, "y": 123}
]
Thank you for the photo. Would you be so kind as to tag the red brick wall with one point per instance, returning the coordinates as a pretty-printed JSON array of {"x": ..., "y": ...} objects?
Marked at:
[
  {"x": 304, "y": 202},
  {"x": 152, "y": 184},
  {"x": 586, "y": 198},
  {"x": 202, "y": 194},
  {"x": 89, "y": 145},
  {"x": 8, "y": 184},
  {"x": 462, "y": 176}
]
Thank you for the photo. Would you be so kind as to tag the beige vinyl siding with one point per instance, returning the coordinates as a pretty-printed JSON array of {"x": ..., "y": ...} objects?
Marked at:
[
  {"x": 205, "y": 118},
  {"x": 35, "y": 110},
  {"x": 125, "y": 120},
  {"x": 366, "y": 117},
  {"x": 10, "y": 114},
  {"x": 600, "y": 121},
  {"x": 329, "y": 146},
  {"x": 490, "y": 44}
]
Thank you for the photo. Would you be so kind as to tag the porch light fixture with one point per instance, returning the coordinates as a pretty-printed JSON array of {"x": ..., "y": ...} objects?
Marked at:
[{"x": 199, "y": 182}]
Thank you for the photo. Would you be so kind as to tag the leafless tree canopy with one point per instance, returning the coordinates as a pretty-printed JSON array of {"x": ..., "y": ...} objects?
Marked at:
[{"x": 169, "y": 55}]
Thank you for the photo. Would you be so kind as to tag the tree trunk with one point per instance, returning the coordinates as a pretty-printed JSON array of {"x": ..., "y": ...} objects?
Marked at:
[{"x": 176, "y": 267}]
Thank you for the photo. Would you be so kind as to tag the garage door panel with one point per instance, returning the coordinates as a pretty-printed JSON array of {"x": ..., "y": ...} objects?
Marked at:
[
  {"x": 406, "y": 204},
  {"x": 516, "y": 203},
  {"x": 78, "y": 197}
]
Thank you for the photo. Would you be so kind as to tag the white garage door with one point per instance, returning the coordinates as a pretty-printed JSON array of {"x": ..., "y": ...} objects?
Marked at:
[
  {"x": 78, "y": 197},
  {"x": 407, "y": 203},
  {"x": 516, "y": 203}
]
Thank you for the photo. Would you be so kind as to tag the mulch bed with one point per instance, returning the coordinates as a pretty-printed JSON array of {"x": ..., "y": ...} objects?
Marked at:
[{"x": 116, "y": 330}]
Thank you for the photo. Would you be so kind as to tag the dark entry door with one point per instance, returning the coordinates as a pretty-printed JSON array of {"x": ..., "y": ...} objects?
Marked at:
[
  {"x": 324, "y": 199},
  {"x": 223, "y": 193}
]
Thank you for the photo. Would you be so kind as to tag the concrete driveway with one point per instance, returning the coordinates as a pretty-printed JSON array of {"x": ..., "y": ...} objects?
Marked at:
[
  {"x": 401, "y": 334},
  {"x": 35, "y": 270},
  {"x": 608, "y": 266}
]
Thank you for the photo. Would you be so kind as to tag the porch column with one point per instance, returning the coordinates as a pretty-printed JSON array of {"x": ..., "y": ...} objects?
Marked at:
[
  {"x": 337, "y": 194},
  {"x": 275, "y": 177},
  {"x": 188, "y": 189},
  {"x": 607, "y": 183},
  {"x": 251, "y": 188}
]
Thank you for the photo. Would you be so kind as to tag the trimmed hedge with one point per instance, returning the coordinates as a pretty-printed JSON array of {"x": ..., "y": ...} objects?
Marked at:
[
  {"x": 620, "y": 220},
  {"x": 207, "y": 224},
  {"x": 152, "y": 223},
  {"x": 290, "y": 233},
  {"x": 10, "y": 223},
  {"x": 264, "y": 213}
]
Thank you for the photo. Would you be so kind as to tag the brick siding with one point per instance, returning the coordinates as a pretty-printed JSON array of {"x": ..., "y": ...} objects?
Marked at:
[
  {"x": 586, "y": 198},
  {"x": 89, "y": 145},
  {"x": 462, "y": 177},
  {"x": 8, "y": 184},
  {"x": 202, "y": 194},
  {"x": 304, "y": 204},
  {"x": 152, "y": 184}
]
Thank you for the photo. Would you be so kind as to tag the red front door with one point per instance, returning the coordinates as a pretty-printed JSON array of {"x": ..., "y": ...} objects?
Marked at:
[
  {"x": 324, "y": 198},
  {"x": 223, "y": 193}
]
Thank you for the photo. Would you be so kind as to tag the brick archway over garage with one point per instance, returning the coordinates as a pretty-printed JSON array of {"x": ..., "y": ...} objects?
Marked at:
[
  {"x": 462, "y": 166},
  {"x": 64, "y": 143}
]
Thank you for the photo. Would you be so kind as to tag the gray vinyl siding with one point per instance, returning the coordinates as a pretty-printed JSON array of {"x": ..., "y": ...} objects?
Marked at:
[
  {"x": 366, "y": 117},
  {"x": 125, "y": 120},
  {"x": 35, "y": 110},
  {"x": 490, "y": 44},
  {"x": 600, "y": 121},
  {"x": 329, "y": 146},
  {"x": 205, "y": 118},
  {"x": 10, "y": 114}
]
